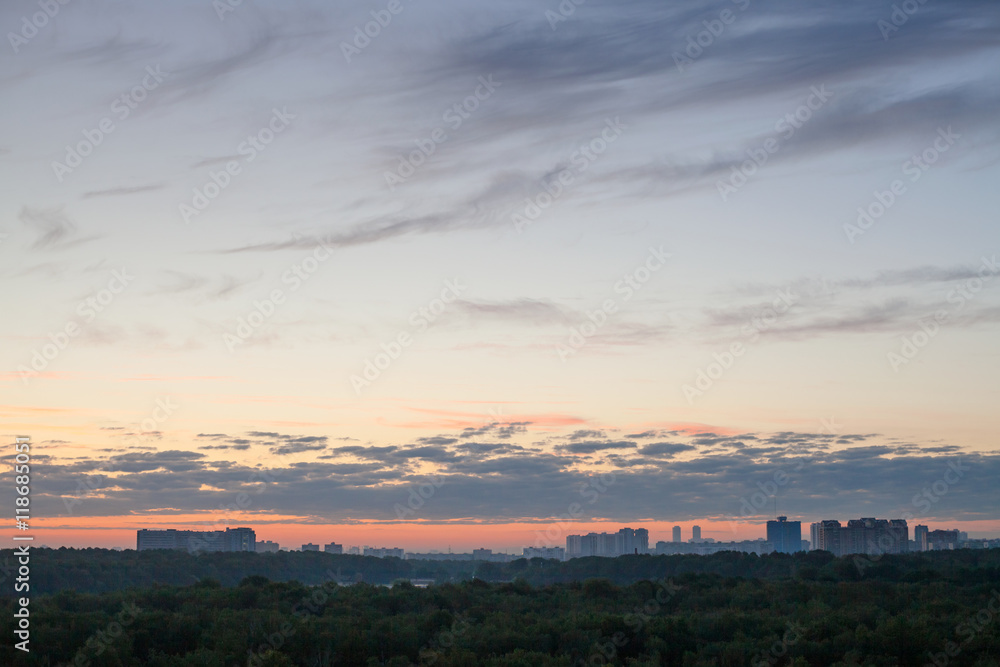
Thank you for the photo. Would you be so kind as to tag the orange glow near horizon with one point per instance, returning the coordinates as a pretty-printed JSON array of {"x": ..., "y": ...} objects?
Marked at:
[{"x": 412, "y": 536}]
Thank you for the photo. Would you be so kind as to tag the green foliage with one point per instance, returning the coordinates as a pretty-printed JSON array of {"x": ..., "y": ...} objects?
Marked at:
[{"x": 721, "y": 611}]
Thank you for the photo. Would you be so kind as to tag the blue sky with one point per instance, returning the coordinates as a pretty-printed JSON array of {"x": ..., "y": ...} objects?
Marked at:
[{"x": 697, "y": 168}]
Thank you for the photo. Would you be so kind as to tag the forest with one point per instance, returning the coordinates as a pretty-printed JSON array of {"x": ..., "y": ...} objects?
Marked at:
[{"x": 105, "y": 608}]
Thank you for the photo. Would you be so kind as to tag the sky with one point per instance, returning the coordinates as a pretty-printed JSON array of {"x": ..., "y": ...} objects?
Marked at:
[{"x": 438, "y": 274}]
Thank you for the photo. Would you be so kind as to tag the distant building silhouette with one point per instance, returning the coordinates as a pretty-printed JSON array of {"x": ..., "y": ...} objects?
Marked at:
[
  {"x": 545, "y": 552},
  {"x": 862, "y": 536},
  {"x": 920, "y": 537},
  {"x": 334, "y": 548},
  {"x": 784, "y": 535},
  {"x": 938, "y": 540},
  {"x": 193, "y": 541},
  {"x": 625, "y": 541},
  {"x": 268, "y": 547},
  {"x": 310, "y": 547},
  {"x": 382, "y": 552},
  {"x": 677, "y": 534},
  {"x": 759, "y": 547},
  {"x": 696, "y": 534}
]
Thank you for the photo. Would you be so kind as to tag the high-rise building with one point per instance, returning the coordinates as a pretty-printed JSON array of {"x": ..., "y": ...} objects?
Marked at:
[
  {"x": 677, "y": 534},
  {"x": 784, "y": 535},
  {"x": 383, "y": 552},
  {"x": 942, "y": 539},
  {"x": 574, "y": 546},
  {"x": 545, "y": 552},
  {"x": 631, "y": 541},
  {"x": 863, "y": 536},
  {"x": 920, "y": 537},
  {"x": 268, "y": 547},
  {"x": 625, "y": 541},
  {"x": 193, "y": 541},
  {"x": 333, "y": 548},
  {"x": 826, "y": 536},
  {"x": 696, "y": 533},
  {"x": 706, "y": 547},
  {"x": 482, "y": 554},
  {"x": 876, "y": 536},
  {"x": 310, "y": 547}
]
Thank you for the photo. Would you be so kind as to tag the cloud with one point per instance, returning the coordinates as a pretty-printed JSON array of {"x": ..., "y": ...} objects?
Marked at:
[
  {"x": 506, "y": 482},
  {"x": 53, "y": 228},
  {"x": 117, "y": 192}
]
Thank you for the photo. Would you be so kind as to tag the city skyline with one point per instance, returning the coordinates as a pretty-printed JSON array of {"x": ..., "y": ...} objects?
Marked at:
[{"x": 646, "y": 542}]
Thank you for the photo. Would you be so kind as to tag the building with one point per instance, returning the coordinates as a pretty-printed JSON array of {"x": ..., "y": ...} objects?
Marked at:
[
  {"x": 333, "y": 548},
  {"x": 759, "y": 547},
  {"x": 876, "y": 536},
  {"x": 784, "y": 535},
  {"x": 862, "y": 536},
  {"x": 482, "y": 554},
  {"x": 677, "y": 534},
  {"x": 557, "y": 553},
  {"x": 310, "y": 547},
  {"x": 268, "y": 547},
  {"x": 920, "y": 537},
  {"x": 696, "y": 534},
  {"x": 827, "y": 536},
  {"x": 434, "y": 555},
  {"x": 193, "y": 541},
  {"x": 938, "y": 540},
  {"x": 632, "y": 541},
  {"x": 625, "y": 541},
  {"x": 383, "y": 552}
]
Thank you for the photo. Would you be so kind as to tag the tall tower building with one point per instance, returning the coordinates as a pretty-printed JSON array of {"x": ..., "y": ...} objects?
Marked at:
[
  {"x": 677, "y": 533},
  {"x": 784, "y": 535},
  {"x": 696, "y": 533},
  {"x": 920, "y": 537}
]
